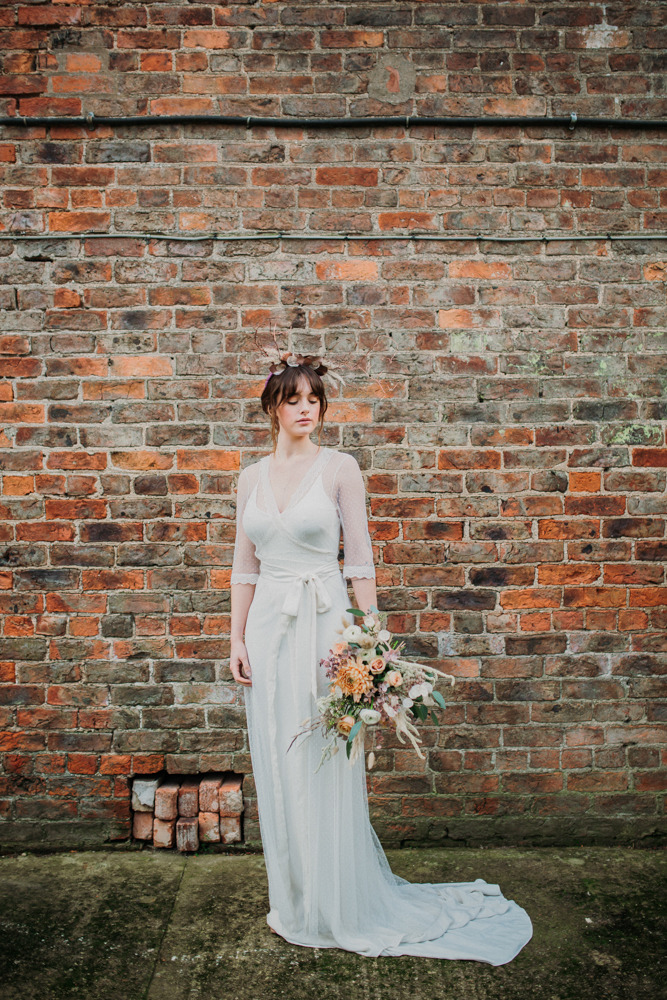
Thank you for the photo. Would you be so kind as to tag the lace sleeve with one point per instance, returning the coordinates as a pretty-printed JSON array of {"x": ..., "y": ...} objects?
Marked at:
[
  {"x": 350, "y": 498},
  {"x": 245, "y": 568}
]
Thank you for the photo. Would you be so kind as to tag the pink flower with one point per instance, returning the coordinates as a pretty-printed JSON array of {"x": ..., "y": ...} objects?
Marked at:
[{"x": 345, "y": 724}]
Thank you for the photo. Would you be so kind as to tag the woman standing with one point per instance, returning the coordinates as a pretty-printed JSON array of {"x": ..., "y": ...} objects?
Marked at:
[{"x": 330, "y": 885}]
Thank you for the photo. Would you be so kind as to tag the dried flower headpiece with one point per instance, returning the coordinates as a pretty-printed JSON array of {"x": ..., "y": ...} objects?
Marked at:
[
  {"x": 289, "y": 360},
  {"x": 282, "y": 359}
]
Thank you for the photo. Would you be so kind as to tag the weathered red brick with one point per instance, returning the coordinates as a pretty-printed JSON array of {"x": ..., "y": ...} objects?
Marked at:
[
  {"x": 188, "y": 797},
  {"x": 164, "y": 833},
  {"x": 187, "y": 833},
  {"x": 142, "y": 826},
  {"x": 230, "y": 798},
  {"x": 209, "y": 827},
  {"x": 209, "y": 795},
  {"x": 230, "y": 829},
  {"x": 166, "y": 801}
]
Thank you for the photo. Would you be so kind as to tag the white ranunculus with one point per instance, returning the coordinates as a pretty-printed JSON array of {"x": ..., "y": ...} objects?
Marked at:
[
  {"x": 369, "y": 621},
  {"x": 370, "y": 716},
  {"x": 352, "y": 633},
  {"x": 384, "y": 635},
  {"x": 422, "y": 690},
  {"x": 323, "y": 704}
]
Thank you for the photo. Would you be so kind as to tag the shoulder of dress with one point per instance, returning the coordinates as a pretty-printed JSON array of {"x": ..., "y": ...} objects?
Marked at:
[
  {"x": 343, "y": 467},
  {"x": 349, "y": 462},
  {"x": 248, "y": 474},
  {"x": 344, "y": 456}
]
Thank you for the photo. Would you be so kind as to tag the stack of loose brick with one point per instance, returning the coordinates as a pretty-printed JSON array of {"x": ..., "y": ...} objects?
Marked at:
[{"x": 189, "y": 811}]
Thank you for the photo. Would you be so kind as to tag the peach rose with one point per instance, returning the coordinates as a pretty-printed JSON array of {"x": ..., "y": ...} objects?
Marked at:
[
  {"x": 345, "y": 725},
  {"x": 394, "y": 678},
  {"x": 338, "y": 648},
  {"x": 377, "y": 665}
]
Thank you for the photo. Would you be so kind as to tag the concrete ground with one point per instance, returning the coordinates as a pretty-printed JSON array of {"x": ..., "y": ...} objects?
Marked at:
[{"x": 160, "y": 926}]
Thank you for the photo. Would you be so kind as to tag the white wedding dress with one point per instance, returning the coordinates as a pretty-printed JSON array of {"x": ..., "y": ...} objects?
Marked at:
[{"x": 330, "y": 885}]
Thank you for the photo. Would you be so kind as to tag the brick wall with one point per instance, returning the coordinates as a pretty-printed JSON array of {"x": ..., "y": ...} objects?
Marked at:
[{"x": 513, "y": 440}]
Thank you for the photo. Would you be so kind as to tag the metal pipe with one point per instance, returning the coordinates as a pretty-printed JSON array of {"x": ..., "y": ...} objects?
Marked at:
[
  {"x": 236, "y": 237},
  {"x": 405, "y": 121}
]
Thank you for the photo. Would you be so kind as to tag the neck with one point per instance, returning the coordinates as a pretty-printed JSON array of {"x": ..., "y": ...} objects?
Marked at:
[{"x": 293, "y": 447}]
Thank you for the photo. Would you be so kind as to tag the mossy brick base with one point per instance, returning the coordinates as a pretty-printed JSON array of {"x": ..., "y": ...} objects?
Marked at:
[{"x": 511, "y": 431}]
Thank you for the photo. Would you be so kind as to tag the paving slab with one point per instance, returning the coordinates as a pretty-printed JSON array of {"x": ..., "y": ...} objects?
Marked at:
[
  {"x": 160, "y": 926},
  {"x": 81, "y": 924}
]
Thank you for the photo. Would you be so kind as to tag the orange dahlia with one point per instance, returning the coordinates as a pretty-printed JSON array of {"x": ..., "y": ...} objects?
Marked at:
[{"x": 354, "y": 678}]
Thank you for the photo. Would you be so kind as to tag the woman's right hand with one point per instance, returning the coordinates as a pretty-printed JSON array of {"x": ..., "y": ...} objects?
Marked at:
[{"x": 239, "y": 663}]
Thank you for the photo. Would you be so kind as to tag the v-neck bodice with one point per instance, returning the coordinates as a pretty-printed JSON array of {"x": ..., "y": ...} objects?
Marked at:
[
  {"x": 307, "y": 480},
  {"x": 306, "y": 534}
]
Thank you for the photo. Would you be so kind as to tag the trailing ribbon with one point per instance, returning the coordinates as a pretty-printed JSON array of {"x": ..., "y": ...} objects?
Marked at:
[{"x": 307, "y": 596}]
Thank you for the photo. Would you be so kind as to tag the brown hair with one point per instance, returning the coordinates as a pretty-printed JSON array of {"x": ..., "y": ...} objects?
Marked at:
[{"x": 285, "y": 384}]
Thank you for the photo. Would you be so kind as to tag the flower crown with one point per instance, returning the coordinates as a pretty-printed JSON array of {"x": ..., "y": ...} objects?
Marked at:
[
  {"x": 290, "y": 360},
  {"x": 282, "y": 359}
]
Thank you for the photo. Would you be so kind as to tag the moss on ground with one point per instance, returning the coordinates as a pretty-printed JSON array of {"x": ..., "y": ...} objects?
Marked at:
[{"x": 158, "y": 926}]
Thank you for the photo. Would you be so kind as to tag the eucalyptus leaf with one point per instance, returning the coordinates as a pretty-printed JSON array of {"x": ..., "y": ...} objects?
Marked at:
[
  {"x": 437, "y": 697},
  {"x": 353, "y": 732}
]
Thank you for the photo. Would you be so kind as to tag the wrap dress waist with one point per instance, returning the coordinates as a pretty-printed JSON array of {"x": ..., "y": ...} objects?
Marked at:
[{"x": 308, "y": 585}]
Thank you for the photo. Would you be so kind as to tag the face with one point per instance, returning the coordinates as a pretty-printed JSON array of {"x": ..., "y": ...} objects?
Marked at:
[{"x": 298, "y": 414}]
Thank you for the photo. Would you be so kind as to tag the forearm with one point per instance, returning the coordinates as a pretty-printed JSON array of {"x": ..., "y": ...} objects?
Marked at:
[
  {"x": 242, "y": 597},
  {"x": 365, "y": 594}
]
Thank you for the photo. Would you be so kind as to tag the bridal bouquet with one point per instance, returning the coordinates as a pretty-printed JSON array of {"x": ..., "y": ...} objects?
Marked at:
[{"x": 371, "y": 685}]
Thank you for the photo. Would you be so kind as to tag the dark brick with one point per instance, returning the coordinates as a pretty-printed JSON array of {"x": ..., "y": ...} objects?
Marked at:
[
  {"x": 473, "y": 600},
  {"x": 535, "y": 645},
  {"x": 117, "y": 626}
]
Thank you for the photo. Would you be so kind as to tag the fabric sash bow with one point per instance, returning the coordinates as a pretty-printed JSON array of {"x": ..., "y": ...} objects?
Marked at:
[{"x": 304, "y": 583}]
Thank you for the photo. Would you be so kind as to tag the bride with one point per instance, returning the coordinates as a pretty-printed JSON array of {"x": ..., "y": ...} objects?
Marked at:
[{"x": 330, "y": 885}]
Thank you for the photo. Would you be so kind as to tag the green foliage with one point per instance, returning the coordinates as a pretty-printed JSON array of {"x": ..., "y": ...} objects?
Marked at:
[
  {"x": 437, "y": 697},
  {"x": 353, "y": 732}
]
